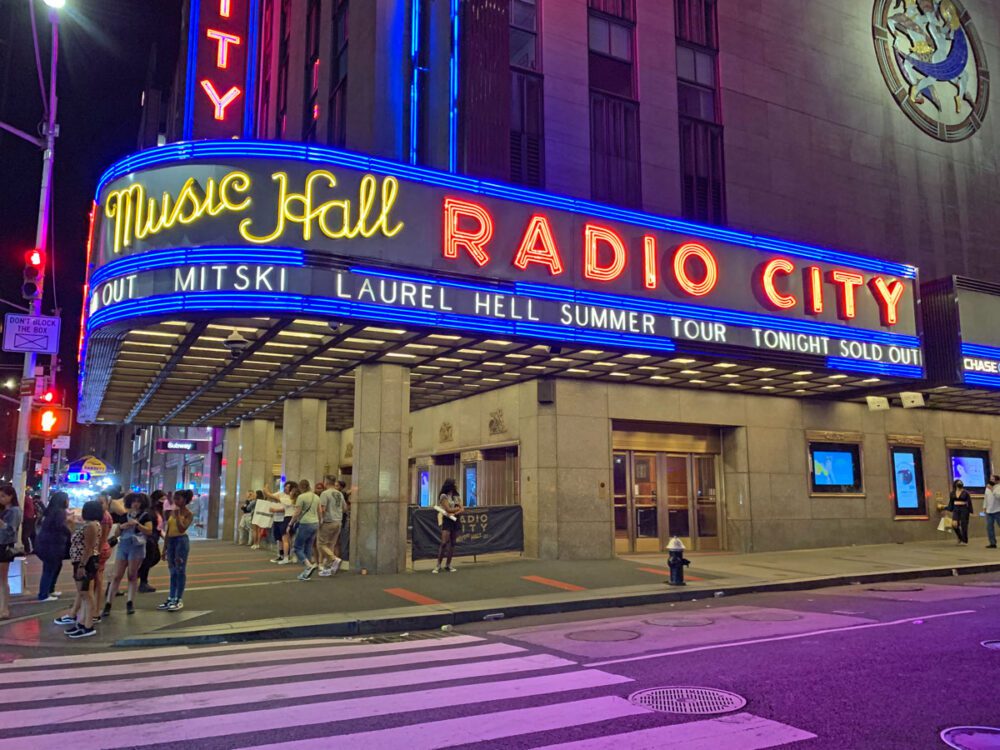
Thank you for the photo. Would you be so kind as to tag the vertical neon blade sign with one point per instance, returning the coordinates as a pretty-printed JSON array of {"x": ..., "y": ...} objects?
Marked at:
[{"x": 220, "y": 72}]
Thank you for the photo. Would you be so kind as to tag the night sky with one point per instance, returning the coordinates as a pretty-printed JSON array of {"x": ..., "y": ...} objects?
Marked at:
[{"x": 105, "y": 52}]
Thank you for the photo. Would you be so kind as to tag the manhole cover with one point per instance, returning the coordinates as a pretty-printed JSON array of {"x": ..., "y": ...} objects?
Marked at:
[
  {"x": 680, "y": 622},
  {"x": 768, "y": 617},
  {"x": 972, "y": 738},
  {"x": 603, "y": 635},
  {"x": 688, "y": 700},
  {"x": 993, "y": 645},
  {"x": 896, "y": 587}
]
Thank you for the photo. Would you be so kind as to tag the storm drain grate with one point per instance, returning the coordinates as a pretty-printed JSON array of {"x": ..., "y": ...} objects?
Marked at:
[
  {"x": 992, "y": 645},
  {"x": 688, "y": 700},
  {"x": 971, "y": 738},
  {"x": 896, "y": 587},
  {"x": 603, "y": 636}
]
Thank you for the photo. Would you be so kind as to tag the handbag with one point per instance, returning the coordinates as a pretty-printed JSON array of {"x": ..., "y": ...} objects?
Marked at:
[{"x": 944, "y": 525}]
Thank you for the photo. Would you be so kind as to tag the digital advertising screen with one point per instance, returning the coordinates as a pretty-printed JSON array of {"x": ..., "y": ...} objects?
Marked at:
[
  {"x": 908, "y": 482},
  {"x": 972, "y": 467},
  {"x": 836, "y": 469}
]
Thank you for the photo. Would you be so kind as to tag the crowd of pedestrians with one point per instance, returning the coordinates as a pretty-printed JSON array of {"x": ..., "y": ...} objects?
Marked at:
[{"x": 306, "y": 524}]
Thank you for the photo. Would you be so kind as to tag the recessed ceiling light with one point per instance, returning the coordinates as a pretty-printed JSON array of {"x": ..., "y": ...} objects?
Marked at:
[
  {"x": 767, "y": 388},
  {"x": 725, "y": 365},
  {"x": 648, "y": 368},
  {"x": 683, "y": 361},
  {"x": 690, "y": 372},
  {"x": 872, "y": 380},
  {"x": 801, "y": 382},
  {"x": 729, "y": 377},
  {"x": 636, "y": 356},
  {"x": 802, "y": 373},
  {"x": 661, "y": 377},
  {"x": 838, "y": 377},
  {"x": 835, "y": 385},
  {"x": 699, "y": 382},
  {"x": 764, "y": 369},
  {"x": 578, "y": 371},
  {"x": 766, "y": 380},
  {"x": 734, "y": 385}
]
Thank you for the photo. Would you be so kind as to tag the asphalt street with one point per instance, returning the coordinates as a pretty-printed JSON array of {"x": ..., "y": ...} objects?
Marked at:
[{"x": 872, "y": 666}]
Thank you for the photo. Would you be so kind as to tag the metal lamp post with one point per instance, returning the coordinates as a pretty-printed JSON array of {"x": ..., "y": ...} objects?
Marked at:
[{"x": 47, "y": 143}]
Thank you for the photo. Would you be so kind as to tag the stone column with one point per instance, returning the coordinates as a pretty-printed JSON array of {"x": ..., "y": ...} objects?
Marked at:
[
  {"x": 230, "y": 469},
  {"x": 378, "y": 506},
  {"x": 256, "y": 459},
  {"x": 303, "y": 440},
  {"x": 333, "y": 453}
]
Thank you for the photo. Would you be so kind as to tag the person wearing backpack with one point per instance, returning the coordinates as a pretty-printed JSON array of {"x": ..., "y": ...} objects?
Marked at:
[
  {"x": 153, "y": 556},
  {"x": 131, "y": 549}
]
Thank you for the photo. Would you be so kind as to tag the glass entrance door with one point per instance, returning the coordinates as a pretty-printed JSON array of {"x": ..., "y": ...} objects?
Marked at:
[{"x": 662, "y": 495}]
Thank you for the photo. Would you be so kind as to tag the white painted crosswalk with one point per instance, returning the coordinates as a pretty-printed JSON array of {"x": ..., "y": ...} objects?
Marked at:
[{"x": 417, "y": 694}]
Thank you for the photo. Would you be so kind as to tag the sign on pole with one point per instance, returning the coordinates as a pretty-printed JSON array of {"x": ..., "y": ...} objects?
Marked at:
[
  {"x": 37, "y": 334},
  {"x": 61, "y": 443}
]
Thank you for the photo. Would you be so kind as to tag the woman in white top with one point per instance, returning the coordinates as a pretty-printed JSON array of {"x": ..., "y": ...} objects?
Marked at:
[{"x": 450, "y": 502}]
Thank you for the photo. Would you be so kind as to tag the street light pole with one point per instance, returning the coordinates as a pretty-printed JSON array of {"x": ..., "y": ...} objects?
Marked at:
[{"x": 20, "y": 478}]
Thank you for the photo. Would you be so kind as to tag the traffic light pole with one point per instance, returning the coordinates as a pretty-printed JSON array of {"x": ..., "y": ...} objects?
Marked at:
[{"x": 21, "y": 455}]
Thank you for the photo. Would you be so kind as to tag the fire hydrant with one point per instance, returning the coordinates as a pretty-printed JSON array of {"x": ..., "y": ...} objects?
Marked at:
[{"x": 677, "y": 561}]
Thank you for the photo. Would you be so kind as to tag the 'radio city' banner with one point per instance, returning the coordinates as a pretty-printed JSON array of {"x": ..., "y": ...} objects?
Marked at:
[
  {"x": 338, "y": 233},
  {"x": 498, "y": 528}
]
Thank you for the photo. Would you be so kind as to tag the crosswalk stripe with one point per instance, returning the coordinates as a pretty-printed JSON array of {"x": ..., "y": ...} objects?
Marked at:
[
  {"x": 188, "y": 680},
  {"x": 285, "y": 690},
  {"x": 480, "y": 728},
  {"x": 279, "y": 653},
  {"x": 146, "y": 653},
  {"x": 192, "y": 729},
  {"x": 741, "y": 731}
]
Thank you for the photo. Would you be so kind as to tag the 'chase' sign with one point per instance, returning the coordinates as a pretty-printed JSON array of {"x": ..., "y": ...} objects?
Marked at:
[{"x": 205, "y": 226}]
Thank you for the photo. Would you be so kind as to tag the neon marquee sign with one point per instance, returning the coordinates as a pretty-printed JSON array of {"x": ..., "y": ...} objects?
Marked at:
[
  {"x": 220, "y": 68},
  {"x": 310, "y": 229}
]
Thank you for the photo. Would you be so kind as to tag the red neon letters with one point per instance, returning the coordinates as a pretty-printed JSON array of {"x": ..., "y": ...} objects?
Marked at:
[
  {"x": 692, "y": 269},
  {"x": 539, "y": 246},
  {"x": 474, "y": 241},
  {"x": 693, "y": 250},
  {"x": 887, "y": 296},
  {"x": 593, "y": 235},
  {"x": 220, "y": 40},
  {"x": 848, "y": 281},
  {"x": 779, "y": 300}
]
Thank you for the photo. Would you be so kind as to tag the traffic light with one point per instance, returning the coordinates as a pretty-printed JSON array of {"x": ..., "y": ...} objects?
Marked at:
[
  {"x": 49, "y": 397},
  {"x": 51, "y": 421},
  {"x": 34, "y": 272}
]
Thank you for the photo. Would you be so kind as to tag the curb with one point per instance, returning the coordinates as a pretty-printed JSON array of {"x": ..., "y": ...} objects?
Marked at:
[{"x": 440, "y": 615}]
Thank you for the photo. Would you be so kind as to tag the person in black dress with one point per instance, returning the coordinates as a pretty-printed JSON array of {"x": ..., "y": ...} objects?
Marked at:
[
  {"x": 450, "y": 502},
  {"x": 960, "y": 505}
]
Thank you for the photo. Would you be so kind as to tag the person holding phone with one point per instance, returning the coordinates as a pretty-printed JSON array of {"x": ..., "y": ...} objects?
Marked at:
[
  {"x": 176, "y": 549},
  {"x": 131, "y": 550},
  {"x": 960, "y": 505}
]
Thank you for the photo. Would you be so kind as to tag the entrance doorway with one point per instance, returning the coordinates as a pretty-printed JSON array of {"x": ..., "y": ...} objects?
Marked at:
[
  {"x": 662, "y": 495},
  {"x": 666, "y": 486}
]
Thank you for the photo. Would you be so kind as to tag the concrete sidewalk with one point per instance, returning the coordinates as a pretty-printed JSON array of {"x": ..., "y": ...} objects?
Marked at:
[{"x": 236, "y": 594}]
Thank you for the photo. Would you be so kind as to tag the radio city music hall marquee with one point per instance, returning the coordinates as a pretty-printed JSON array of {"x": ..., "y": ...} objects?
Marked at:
[{"x": 265, "y": 226}]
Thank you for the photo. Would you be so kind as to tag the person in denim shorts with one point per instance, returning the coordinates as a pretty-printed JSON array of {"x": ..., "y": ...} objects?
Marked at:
[{"x": 131, "y": 549}]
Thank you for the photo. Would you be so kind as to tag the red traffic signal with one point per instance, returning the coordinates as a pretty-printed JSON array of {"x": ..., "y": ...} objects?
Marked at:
[
  {"x": 51, "y": 421},
  {"x": 34, "y": 270}
]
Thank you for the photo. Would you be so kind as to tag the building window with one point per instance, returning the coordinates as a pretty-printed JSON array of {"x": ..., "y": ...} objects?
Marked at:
[
  {"x": 336, "y": 127},
  {"x": 526, "y": 132},
  {"x": 614, "y": 111},
  {"x": 281, "y": 121},
  {"x": 310, "y": 114},
  {"x": 696, "y": 22},
  {"x": 835, "y": 469},
  {"x": 701, "y": 136},
  {"x": 908, "y": 481},
  {"x": 266, "y": 47}
]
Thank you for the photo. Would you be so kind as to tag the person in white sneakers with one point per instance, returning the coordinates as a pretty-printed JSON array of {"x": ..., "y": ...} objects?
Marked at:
[
  {"x": 449, "y": 508},
  {"x": 281, "y": 515},
  {"x": 306, "y": 523},
  {"x": 331, "y": 504},
  {"x": 176, "y": 549},
  {"x": 84, "y": 553}
]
